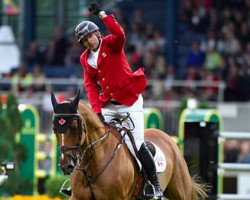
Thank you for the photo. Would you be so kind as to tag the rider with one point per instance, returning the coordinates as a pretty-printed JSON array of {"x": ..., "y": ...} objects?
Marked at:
[{"x": 111, "y": 86}]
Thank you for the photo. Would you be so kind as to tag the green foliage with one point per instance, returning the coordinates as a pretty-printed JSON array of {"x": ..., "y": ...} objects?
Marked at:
[
  {"x": 10, "y": 150},
  {"x": 5, "y": 147},
  {"x": 15, "y": 185},
  {"x": 20, "y": 152},
  {"x": 1, "y": 106},
  {"x": 53, "y": 185},
  {"x": 13, "y": 113}
]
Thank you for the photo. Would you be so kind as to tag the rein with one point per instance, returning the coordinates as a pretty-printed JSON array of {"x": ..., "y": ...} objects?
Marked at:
[{"x": 89, "y": 148}]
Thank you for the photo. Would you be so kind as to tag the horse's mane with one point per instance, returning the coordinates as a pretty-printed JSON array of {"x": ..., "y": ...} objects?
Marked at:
[{"x": 88, "y": 115}]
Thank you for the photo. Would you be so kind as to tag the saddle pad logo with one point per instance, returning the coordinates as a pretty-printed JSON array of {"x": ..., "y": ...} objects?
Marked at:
[
  {"x": 62, "y": 121},
  {"x": 160, "y": 160}
]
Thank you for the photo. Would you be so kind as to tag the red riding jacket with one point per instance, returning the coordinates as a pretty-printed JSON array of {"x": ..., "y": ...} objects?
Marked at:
[{"x": 113, "y": 71}]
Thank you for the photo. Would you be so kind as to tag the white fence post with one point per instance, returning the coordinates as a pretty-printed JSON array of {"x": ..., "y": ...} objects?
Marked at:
[{"x": 234, "y": 168}]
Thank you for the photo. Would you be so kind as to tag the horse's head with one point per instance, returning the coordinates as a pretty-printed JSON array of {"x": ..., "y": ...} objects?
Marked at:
[{"x": 68, "y": 129}]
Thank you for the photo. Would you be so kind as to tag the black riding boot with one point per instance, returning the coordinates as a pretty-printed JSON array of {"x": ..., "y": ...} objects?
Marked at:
[
  {"x": 148, "y": 165},
  {"x": 66, "y": 191}
]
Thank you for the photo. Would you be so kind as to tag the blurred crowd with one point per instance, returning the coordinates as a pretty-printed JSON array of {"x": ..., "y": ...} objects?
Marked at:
[
  {"x": 221, "y": 53},
  {"x": 224, "y": 52}
]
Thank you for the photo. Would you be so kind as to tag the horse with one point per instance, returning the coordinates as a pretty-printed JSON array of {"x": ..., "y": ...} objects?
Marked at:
[{"x": 101, "y": 166}]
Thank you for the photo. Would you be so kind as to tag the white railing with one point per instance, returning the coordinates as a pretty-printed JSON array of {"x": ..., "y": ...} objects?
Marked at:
[
  {"x": 78, "y": 82},
  {"x": 235, "y": 135}
]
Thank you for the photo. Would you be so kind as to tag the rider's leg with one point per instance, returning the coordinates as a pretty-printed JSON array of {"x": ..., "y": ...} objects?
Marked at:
[
  {"x": 137, "y": 116},
  {"x": 147, "y": 161},
  {"x": 150, "y": 169}
]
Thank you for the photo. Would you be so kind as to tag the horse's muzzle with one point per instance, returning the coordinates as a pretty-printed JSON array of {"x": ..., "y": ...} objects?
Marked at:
[{"x": 67, "y": 169}]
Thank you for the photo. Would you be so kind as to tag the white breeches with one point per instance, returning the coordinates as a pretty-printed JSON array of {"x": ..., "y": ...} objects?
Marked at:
[{"x": 137, "y": 116}]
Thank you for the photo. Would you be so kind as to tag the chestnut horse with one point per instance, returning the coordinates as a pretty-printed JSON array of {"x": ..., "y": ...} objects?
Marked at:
[{"x": 100, "y": 164}]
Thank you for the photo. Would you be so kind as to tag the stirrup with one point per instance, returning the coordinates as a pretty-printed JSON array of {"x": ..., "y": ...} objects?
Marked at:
[
  {"x": 150, "y": 192},
  {"x": 64, "y": 190}
]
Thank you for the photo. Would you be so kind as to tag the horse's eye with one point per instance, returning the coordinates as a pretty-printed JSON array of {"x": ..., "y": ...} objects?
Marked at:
[{"x": 74, "y": 128}]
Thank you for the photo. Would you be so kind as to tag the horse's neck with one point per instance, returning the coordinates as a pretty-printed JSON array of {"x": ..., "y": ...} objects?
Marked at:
[
  {"x": 94, "y": 128},
  {"x": 89, "y": 117}
]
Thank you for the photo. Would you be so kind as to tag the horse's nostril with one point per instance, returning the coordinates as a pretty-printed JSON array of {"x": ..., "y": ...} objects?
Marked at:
[
  {"x": 70, "y": 168},
  {"x": 67, "y": 169}
]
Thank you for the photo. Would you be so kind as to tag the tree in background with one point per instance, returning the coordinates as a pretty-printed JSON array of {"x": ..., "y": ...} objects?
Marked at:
[{"x": 10, "y": 149}]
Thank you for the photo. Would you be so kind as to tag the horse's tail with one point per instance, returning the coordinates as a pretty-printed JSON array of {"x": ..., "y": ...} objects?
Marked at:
[{"x": 199, "y": 190}]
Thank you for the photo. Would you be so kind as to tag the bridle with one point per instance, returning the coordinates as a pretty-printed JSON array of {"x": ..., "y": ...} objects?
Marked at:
[
  {"x": 64, "y": 149},
  {"x": 81, "y": 154}
]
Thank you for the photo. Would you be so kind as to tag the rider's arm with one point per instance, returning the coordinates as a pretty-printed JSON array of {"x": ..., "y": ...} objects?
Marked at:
[{"x": 117, "y": 38}]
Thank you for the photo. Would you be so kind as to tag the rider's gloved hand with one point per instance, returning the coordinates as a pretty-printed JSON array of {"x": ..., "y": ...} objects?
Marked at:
[
  {"x": 101, "y": 117},
  {"x": 94, "y": 8}
]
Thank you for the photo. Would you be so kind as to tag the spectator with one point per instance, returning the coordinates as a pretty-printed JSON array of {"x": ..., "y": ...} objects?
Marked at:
[
  {"x": 61, "y": 44},
  {"x": 134, "y": 57},
  {"x": 230, "y": 43},
  {"x": 210, "y": 93},
  {"x": 244, "y": 154},
  {"x": 231, "y": 151},
  {"x": 56, "y": 48},
  {"x": 22, "y": 80},
  {"x": 39, "y": 79},
  {"x": 169, "y": 78},
  {"x": 196, "y": 57},
  {"x": 243, "y": 81},
  {"x": 192, "y": 75},
  {"x": 73, "y": 53},
  {"x": 49, "y": 54},
  {"x": 211, "y": 40},
  {"x": 231, "y": 83},
  {"x": 33, "y": 55},
  {"x": 149, "y": 65},
  {"x": 212, "y": 59}
]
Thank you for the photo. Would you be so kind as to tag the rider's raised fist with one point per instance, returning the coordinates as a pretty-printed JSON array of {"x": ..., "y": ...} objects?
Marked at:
[{"x": 94, "y": 8}]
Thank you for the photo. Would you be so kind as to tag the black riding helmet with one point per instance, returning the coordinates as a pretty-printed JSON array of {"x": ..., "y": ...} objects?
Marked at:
[{"x": 84, "y": 28}]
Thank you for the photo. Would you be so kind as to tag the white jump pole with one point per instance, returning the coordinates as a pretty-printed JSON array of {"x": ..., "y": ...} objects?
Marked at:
[
  {"x": 232, "y": 197},
  {"x": 235, "y": 135},
  {"x": 236, "y": 167},
  {"x": 231, "y": 167}
]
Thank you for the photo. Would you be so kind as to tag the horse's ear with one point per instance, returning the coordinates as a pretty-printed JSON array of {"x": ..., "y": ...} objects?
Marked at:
[
  {"x": 53, "y": 100},
  {"x": 76, "y": 100}
]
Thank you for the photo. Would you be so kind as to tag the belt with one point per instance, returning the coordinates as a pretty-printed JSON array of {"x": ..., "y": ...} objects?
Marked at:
[{"x": 115, "y": 102}]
